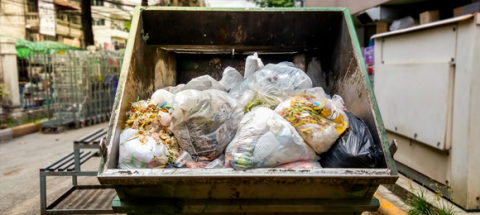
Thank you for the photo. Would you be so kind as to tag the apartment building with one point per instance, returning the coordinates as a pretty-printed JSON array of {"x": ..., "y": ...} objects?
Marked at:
[
  {"x": 109, "y": 18},
  {"x": 20, "y": 18}
]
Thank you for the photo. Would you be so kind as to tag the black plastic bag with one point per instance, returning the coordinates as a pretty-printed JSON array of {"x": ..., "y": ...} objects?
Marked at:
[{"x": 354, "y": 148}]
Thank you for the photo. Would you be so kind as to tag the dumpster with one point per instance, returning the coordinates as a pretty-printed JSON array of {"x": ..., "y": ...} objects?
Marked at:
[{"x": 170, "y": 46}]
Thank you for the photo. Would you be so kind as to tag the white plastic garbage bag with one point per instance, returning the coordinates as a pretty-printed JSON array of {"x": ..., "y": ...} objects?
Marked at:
[
  {"x": 263, "y": 140},
  {"x": 252, "y": 64},
  {"x": 270, "y": 85},
  {"x": 175, "y": 89},
  {"x": 185, "y": 160},
  {"x": 204, "y": 122},
  {"x": 161, "y": 96},
  {"x": 138, "y": 152},
  {"x": 204, "y": 82},
  {"x": 320, "y": 121},
  {"x": 230, "y": 78},
  {"x": 217, "y": 163}
]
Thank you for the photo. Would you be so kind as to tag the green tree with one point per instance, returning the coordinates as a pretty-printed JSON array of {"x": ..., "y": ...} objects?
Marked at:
[
  {"x": 273, "y": 3},
  {"x": 128, "y": 23}
]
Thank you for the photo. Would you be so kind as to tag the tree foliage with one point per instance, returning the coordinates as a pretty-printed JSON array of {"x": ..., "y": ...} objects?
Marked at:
[{"x": 274, "y": 3}]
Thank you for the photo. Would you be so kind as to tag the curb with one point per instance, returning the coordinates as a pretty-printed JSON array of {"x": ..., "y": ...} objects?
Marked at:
[
  {"x": 18, "y": 131},
  {"x": 406, "y": 188},
  {"x": 387, "y": 207}
]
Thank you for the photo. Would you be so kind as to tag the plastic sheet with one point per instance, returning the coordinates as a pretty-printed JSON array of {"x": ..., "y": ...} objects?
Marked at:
[
  {"x": 354, "y": 149},
  {"x": 320, "y": 121},
  {"x": 301, "y": 164},
  {"x": 230, "y": 78},
  {"x": 264, "y": 139},
  {"x": 204, "y": 122},
  {"x": 252, "y": 64},
  {"x": 136, "y": 152},
  {"x": 202, "y": 83},
  {"x": 270, "y": 85}
]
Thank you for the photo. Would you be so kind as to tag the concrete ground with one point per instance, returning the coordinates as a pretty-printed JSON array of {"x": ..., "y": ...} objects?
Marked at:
[{"x": 20, "y": 160}]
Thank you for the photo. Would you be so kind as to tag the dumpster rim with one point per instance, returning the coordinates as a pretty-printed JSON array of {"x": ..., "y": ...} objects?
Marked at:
[{"x": 258, "y": 172}]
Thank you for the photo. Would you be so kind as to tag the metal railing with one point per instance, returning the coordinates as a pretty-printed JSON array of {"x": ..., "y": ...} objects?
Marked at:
[{"x": 71, "y": 88}]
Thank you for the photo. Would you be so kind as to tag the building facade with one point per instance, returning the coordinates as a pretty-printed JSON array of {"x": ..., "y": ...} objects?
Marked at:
[
  {"x": 20, "y": 18},
  {"x": 109, "y": 23}
]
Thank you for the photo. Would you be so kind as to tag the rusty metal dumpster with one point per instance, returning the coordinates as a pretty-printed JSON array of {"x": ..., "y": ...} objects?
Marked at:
[{"x": 169, "y": 46}]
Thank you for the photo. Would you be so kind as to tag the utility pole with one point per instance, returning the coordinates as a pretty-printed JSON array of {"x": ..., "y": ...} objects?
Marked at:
[{"x": 87, "y": 23}]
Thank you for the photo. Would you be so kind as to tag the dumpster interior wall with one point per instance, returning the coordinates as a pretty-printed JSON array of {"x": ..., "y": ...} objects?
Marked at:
[{"x": 206, "y": 42}]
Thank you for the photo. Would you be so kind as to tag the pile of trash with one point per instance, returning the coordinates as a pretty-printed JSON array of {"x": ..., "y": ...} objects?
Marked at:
[{"x": 271, "y": 117}]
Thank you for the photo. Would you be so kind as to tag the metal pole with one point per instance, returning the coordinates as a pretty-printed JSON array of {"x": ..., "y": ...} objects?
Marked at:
[
  {"x": 43, "y": 193},
  {"x": 76, "y": 154}
]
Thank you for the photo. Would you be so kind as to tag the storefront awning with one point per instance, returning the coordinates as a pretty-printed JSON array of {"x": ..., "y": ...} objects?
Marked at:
[{"x": 66, "y": 5}]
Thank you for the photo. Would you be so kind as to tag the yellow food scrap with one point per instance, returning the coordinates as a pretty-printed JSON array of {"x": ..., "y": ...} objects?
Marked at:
[{"x": 306, "y": 131}]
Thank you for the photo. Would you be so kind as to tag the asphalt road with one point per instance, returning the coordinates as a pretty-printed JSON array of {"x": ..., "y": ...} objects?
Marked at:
[{"x": 20, "y": 161}]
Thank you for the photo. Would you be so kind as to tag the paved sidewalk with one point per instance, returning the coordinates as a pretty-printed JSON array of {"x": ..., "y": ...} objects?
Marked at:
[{"x": 20, "y": 160}]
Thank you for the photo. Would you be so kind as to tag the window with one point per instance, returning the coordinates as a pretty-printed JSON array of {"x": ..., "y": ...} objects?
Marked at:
[
  {"x": 76, "y": 20},
  {"x": 62, "y": 16},
  {"x": 32, "y": 6},
  {"x": 96, "y": 2},
  {"x": 32, "y": 36},
  {"x": 116, "y": 4},
  {"x": 98, "y": 22}
]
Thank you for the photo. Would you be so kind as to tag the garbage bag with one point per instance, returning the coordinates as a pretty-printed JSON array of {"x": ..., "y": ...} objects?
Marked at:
[
  {"x": 161, "y": 96},
  {"x": 252, "y": 99},
  {"x": 252, "y": 64},
  {"x": 230, "y": 78},
  {"x": 263, "y": 140},
  {"x": 148, "y": 117},
  {"x": 175, "y": 89},
  {"x": 354, "y": 149},
  {"x": 185, "y": 160},
  {"x": 204, "y": 122},
  {"x": 314, "y": 71},
  {"x": 138, "y": 152},
  {"x": 153, "y": 121},
  {"x": 202, "y": 83},
  {"x": 301, "y": 164},
  {"x": 270, "y": 85},
  {"x": 217, "y": 163},
  {"x": 320, "y": 121}
]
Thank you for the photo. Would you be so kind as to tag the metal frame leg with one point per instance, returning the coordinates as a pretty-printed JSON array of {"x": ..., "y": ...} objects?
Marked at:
[
  {"x": 76, "y": 155},
  {"x": 43, "y": 193}
]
